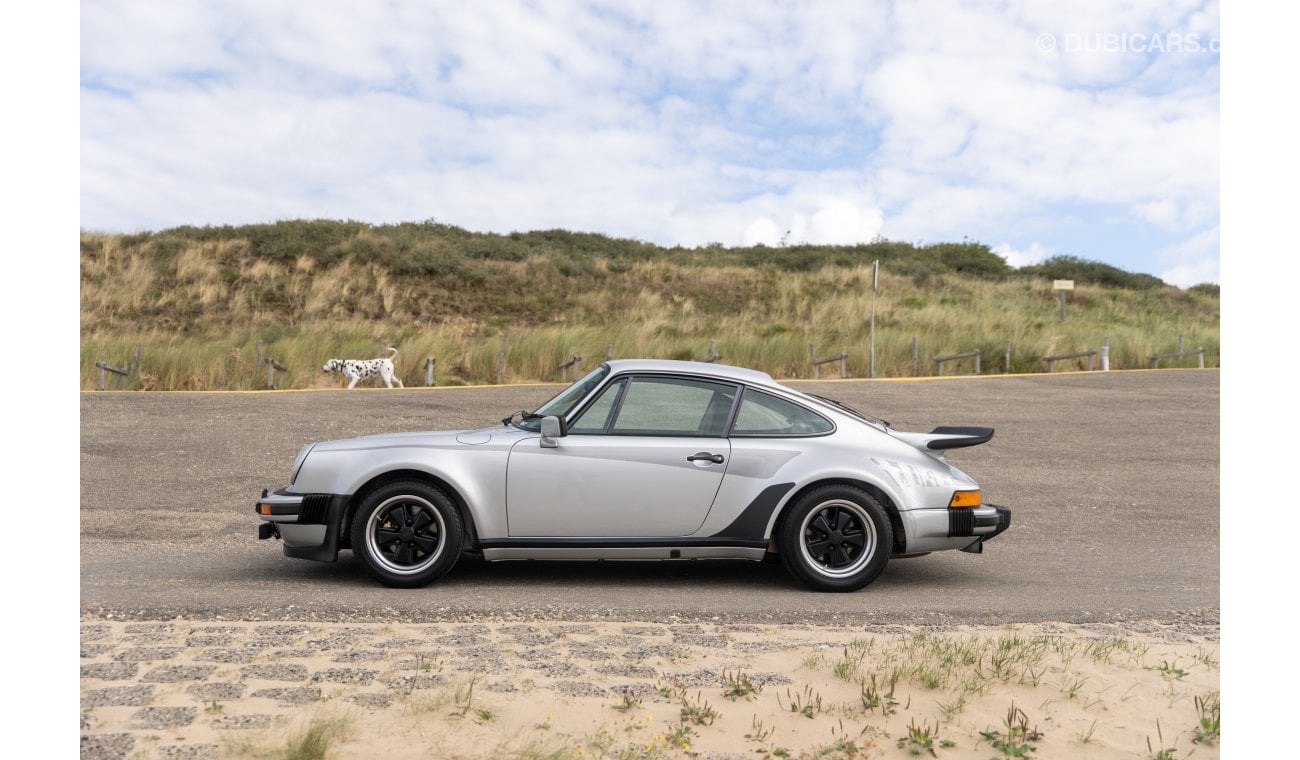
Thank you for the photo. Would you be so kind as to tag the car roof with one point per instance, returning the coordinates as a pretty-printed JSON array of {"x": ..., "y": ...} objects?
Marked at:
[{"x": 708, "y": 369}]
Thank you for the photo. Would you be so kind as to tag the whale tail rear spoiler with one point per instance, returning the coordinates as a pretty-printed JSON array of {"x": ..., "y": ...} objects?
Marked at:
[{"x": 946, "y": 437}]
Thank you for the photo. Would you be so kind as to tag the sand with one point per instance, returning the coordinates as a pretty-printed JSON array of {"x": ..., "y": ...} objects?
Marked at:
[{"x": 628, "y": 689}]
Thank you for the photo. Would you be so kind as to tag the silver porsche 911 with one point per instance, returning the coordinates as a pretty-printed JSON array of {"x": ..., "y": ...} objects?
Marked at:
[{"x": 642, "y": 460}]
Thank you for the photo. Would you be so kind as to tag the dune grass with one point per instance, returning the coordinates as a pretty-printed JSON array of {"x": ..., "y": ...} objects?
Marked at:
[{"x": 198, "y": 307}]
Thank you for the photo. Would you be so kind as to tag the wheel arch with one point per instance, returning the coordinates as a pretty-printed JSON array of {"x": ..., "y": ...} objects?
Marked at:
[
  {"x": 393, "y": 476},
  {"x": 891, "y": 509}
]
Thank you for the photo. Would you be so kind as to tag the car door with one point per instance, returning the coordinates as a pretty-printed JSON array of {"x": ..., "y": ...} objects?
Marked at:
[{"x": 643, "y": 459}]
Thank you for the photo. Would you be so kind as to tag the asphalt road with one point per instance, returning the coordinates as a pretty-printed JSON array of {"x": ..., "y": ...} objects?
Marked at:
[{"x": 1112, "y": 478}]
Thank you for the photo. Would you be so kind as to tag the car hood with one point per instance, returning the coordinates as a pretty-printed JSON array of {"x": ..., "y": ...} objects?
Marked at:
[{"x": 446, "y": 438}]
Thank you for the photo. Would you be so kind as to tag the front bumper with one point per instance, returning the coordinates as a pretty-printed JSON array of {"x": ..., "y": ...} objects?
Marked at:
[{"x": 308, "y": 523}]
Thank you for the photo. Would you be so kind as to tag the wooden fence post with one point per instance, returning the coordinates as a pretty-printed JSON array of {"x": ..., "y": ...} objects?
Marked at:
[
  {"x": 939, "y": 360},
  {"x": 575, "y": 363},
  {"x": 1090, "y": 354},
  {"x": 130, "y": 369},
  {"x": 501, "y": 362},
  {"x": 428, "y": 370},
  {"x": 271, "y": 366},
  {"x": 1199, "y": 351},
  {"x": 841, "y": 357},
  {"x": 916, "y": 357}
]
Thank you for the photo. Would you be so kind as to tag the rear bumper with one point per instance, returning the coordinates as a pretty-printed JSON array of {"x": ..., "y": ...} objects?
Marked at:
[
  {"x": 985, "y": 521},
  {"x": 986, "y": 526},
  {"x": 308, "y": 523},
  {"x": 967, "y": 528}
]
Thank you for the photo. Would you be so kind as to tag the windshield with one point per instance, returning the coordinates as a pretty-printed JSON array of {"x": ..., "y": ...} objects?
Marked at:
[{"x": 565, "y": 401}]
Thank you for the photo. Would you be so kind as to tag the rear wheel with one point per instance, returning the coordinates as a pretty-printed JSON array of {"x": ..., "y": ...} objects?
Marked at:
[
  {"x": 835, "y": 538},
  {"x": 407, "y": 534}
]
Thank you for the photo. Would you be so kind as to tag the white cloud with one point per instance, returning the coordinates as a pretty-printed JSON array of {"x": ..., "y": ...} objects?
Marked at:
[
  {"x": 668, "y": 121},
  {"x": 1193, "y": 261},
  {"x": 1032, "y": 254},
  {"x": 832, "y": 221}
]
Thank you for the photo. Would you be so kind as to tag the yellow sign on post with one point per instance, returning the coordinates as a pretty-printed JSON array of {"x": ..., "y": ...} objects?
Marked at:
[{"x": 1060, "y": 286}]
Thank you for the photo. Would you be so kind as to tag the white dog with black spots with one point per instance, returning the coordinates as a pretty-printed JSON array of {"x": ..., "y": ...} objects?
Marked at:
[{"x": 356, "y": 370}]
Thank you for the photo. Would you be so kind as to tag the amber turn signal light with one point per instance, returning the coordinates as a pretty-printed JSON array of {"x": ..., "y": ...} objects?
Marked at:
[
  {"x": 965, "y": 499},
  {"x": 263, "y": 508}
]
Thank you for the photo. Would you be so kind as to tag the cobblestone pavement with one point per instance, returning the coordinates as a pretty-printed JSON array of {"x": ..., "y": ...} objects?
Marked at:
[
  {"x": 191, "y": 689},
  {"x": 153, "y": 689}
]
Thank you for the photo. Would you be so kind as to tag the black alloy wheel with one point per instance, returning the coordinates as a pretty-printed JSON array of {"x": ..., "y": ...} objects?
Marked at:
[
  {"x": 407, "y": 534},
  {"x": 835, "y": 538}
]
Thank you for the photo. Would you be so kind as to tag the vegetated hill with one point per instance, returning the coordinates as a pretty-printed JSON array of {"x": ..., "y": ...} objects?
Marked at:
[{"x": 324, "y": 286}]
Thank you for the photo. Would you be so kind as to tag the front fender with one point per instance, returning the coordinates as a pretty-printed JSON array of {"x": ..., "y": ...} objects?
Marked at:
[{"x": 476, "y": 473}]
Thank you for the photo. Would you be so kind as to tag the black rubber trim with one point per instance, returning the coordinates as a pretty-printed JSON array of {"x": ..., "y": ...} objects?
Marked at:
[
  {"x": 961, "y": 522},
  {"x": 751, "y": 523},
  {"x": 669, "y": 542},
  {"x": 311, "y": 510},
  {"x": 278, "y": 510},
  {"x": 328, "y": 551},
  {"x": 315, "y": 508},
  {"x": 1004, "y": 521},
  {"x": 973, "y": 436}
]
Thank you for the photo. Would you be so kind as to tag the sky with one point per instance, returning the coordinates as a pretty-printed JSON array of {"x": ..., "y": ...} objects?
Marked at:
[{"x": 1085, "y": 128}]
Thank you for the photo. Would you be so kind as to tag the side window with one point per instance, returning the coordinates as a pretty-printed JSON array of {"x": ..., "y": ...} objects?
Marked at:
[
  {"x": 762, "y": 414},
  {"x": 595, "y": 419},
  {"x": 674, "y": 406}
]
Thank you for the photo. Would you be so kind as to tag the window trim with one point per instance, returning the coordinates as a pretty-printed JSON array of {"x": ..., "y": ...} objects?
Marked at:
[{"x": 613, "y": 412}]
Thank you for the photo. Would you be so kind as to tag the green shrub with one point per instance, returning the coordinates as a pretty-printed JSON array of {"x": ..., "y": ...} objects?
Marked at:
[{"x": 1090, "y": 272}]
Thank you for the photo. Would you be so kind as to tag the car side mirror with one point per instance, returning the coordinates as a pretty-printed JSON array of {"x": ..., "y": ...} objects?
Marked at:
[{"x": 552, "y": 429}]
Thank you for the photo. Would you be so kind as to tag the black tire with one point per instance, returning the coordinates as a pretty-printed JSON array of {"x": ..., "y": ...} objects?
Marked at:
[
  {"x": 407, "y": 534},
  {"x": 835, "y": 538}
]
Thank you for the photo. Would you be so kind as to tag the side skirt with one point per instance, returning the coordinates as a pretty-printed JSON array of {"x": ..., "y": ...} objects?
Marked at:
[{"x": 622, "y": 549}]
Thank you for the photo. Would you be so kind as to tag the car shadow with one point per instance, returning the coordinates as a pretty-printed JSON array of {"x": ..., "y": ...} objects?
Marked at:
[{"x": 472, "y": 575}]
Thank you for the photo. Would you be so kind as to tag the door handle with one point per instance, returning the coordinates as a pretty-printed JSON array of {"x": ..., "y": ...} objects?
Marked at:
[{"x": 705, "y": 456}]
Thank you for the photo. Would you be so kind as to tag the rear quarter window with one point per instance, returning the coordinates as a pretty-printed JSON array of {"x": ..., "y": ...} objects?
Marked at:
[{"x": 762, "y": 414}]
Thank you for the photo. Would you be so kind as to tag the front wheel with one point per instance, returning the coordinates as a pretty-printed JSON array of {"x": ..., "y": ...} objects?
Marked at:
[
  {"x": 407, "y": 534},
  {"x": 835, "y": 538}
]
